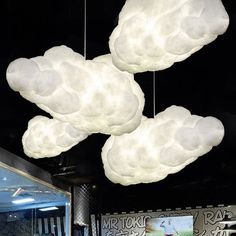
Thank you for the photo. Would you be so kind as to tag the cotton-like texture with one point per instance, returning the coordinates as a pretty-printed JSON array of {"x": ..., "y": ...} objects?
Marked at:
[
  {"x": 49, "y": 137},
  {"x": 153, "y": 34},
  {"x": 92, "y": 95},
  {"x": 160, "y": 146}
]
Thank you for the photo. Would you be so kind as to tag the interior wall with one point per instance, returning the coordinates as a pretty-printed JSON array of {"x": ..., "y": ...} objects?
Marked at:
[{"x": 206, "y": 220}]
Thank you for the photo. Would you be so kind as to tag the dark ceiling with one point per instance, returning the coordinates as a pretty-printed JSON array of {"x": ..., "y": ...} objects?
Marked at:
[{"x": 205, "y": 84}]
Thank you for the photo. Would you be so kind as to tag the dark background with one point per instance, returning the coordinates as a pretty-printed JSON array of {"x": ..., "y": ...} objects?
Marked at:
[{"x": 205, "y": 84}]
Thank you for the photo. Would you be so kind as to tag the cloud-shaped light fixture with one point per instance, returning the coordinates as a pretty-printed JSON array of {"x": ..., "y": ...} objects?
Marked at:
[
  {"x": 49, "y": 137},
  {"x": 160, "y": 146},
  {"x": 92, "y": 96},
  {"x": 153, "y": 34}
]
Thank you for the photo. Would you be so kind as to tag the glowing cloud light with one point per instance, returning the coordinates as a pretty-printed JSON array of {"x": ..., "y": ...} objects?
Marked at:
[
  {"x": 49, "y": 137},
  {"x": 90, "y": 95},
  {"x": 160, "y": 146},
  {"x": 82, "y": 96},
  {"x": 153, "y": 34}
]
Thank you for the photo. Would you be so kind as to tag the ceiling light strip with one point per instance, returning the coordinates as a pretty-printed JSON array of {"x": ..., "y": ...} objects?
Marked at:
[
  {"x": 23, "y": 200},
  {"x": 17, "y": 192},
  {"x": 48, "y": 208}
]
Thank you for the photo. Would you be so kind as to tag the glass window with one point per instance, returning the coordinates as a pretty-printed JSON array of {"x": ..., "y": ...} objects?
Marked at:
[{"x": 31, "y": 207}]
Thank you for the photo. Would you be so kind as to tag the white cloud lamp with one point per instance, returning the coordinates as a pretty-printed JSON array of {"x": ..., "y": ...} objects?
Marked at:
[
  {"x": 46, "y": 137},
  {"x": 153, "y": 34},
  {"x": 160, "y": 146},
  {"x": 90, "y": 95}
]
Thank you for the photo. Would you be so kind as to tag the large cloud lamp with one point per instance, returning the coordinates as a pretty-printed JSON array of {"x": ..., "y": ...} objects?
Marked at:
[
  {"x": 91, "y": 95},
  {"x": 82, "y": 96},
  {"x": 153, "y": 34},
  {"x": 160, "y": 146}
]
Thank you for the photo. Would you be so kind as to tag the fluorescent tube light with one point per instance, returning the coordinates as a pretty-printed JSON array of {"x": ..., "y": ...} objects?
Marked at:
[
  {"x": 17, "y": 192},
  {"x": 23, "y": 200},
  {"x": 48, "y": 209}
]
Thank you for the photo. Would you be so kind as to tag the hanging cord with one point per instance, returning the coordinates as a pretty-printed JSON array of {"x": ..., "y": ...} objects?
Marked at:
[
  {"x": 85, "y": 29},
  {"x": 154, "y": 93}
]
